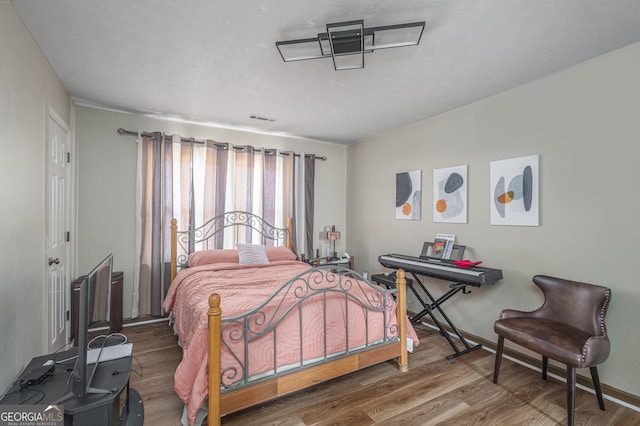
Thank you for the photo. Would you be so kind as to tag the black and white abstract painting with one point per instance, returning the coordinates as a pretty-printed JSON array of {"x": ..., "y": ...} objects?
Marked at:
[
  {"x": 515, "y": 191},
  {"x": 450, "y": 194},
  {"x": 408, "y": 195}
]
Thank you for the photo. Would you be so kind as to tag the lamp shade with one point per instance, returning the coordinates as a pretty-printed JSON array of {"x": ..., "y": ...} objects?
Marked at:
[{"x": 333, "y": 235}]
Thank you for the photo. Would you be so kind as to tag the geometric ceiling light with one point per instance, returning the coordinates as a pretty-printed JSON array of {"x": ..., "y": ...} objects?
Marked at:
[{"x": 347, "y": 42}]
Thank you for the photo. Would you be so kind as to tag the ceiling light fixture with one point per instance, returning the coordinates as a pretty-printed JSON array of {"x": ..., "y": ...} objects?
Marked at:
[{"x": 347, "y": 42}]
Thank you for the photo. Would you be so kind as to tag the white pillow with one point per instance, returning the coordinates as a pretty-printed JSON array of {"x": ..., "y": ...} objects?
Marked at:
[{"x": 252, "y": 254}]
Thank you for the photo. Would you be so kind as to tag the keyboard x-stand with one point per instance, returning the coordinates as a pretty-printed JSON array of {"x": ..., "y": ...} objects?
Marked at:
[{"x": 446, "y": 270}]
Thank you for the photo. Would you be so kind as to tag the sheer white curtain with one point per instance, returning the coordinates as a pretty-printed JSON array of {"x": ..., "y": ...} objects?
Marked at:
[{"x": 193, "y": 182}]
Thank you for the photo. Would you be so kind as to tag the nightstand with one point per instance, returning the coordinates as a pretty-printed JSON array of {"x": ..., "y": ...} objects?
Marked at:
[{"x": 341, "y": 261}]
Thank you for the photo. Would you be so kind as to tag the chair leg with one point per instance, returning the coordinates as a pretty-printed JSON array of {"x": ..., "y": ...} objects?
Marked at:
[
  {"x": 596, "y": 386},
  {"x": 571, "y": 393},
  {"x": 499, "y": 349},
  {"x": 545, "y": 364}
]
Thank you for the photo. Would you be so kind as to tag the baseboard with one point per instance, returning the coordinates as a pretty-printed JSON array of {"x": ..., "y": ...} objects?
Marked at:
[
  {"x": 583, "y": 382},
  {"x": 142, "y": 321},
  {"x": 132, "y": 323}
]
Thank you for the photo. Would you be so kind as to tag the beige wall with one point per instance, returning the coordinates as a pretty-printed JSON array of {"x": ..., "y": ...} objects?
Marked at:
[
  {"x": 106, "y": 182},
  {"x": 583, "y": 123},
  {"x": 27, "y": 86}
]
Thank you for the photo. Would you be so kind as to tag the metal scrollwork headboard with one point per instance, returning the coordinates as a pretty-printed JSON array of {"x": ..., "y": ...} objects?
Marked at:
[{"x": 209, "y": 235}]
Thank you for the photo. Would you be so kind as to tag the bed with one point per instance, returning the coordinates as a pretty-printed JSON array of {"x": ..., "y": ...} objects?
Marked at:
[{"x": 253, "y": 330}]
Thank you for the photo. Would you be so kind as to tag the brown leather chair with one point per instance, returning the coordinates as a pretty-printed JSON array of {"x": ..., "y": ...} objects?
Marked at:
[{"x": 569, "y": 327}]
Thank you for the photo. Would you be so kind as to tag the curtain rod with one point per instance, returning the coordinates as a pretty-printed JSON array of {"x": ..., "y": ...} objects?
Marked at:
[{"x": 122, "y": 131}]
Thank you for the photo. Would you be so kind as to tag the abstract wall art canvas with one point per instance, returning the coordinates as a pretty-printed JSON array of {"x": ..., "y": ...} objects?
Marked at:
[
  {"x": 408, "y": 195},
  {"x": 515, "y": 191},
  {"x": 450, "y": 195}
]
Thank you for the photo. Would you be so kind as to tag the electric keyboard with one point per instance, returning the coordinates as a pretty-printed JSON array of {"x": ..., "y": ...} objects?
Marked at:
[{"x": 442, "y": 269}]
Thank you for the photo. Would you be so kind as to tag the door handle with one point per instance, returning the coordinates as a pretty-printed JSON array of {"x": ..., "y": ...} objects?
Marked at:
[{"x": 52, "y": 261}]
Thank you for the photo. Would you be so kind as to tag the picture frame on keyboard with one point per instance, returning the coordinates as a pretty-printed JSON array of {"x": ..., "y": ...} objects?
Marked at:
[{"x": 456, "y": 253}]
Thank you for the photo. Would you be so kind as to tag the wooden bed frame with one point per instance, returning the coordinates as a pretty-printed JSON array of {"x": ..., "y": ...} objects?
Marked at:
[{"x": 220, "y": 403}]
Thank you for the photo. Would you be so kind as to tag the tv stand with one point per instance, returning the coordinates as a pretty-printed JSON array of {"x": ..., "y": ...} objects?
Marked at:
[{"x": 121, "y": 405}]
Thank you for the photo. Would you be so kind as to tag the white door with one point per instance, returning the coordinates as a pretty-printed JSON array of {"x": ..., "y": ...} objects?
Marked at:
[{"x": 57, "y": 256}]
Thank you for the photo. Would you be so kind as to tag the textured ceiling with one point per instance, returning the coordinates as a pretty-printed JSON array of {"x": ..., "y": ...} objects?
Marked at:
[{"x": 215, "y": 61}]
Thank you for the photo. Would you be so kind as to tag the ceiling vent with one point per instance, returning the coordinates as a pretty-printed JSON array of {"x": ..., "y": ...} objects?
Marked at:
[{"x": 257, "y": 117}]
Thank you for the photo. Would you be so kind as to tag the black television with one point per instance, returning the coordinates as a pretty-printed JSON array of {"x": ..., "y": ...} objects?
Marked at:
[{"x": 98, "y": 281}]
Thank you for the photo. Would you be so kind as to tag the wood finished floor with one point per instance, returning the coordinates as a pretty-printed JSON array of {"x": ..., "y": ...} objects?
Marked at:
[{"x": 434, "y": 391}]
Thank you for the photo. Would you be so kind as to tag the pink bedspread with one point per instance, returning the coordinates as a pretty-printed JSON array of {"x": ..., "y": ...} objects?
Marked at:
[{"x": 243, "y": 288}]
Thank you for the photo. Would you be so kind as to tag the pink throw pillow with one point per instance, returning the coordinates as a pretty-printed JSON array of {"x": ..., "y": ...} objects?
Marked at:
[
  {"x": 279, "y": 253},
  {"x": 207, "y": 257}
]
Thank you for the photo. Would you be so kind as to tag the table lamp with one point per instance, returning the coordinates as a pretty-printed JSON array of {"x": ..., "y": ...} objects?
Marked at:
[{"x": 333, "y": 235}]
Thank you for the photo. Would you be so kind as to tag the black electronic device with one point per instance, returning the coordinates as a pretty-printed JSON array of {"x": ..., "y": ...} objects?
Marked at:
[
  {"x": 445, "y": 269},
  {"x": 441, "y": 268},
  {"x": 98, "y": 279},
  {"x": 36, "y": 375}
]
